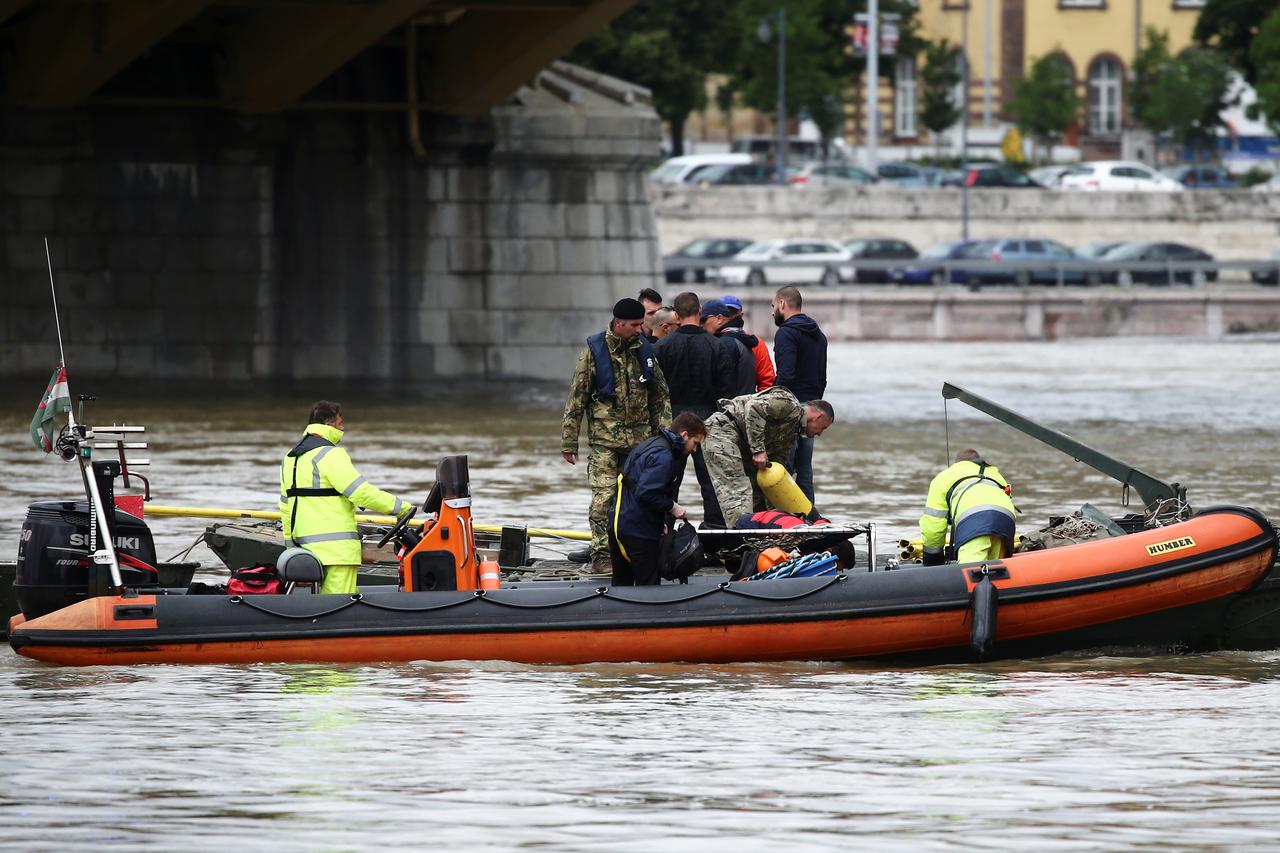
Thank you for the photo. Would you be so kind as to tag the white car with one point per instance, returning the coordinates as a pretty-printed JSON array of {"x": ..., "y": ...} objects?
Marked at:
[
  {"x": 787, "y": 262},
  {"x": 677, "y": 170},
  {"x": 1118, "y": 175}
]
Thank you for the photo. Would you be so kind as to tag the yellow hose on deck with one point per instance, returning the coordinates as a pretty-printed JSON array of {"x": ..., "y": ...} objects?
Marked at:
[{"x": 271, "y": 515}]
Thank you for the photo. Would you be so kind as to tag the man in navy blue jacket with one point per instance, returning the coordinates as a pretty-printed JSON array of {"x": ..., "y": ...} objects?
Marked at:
[
  {"x": 800, "y": 353},
  {"x": 646, "y": 498}
]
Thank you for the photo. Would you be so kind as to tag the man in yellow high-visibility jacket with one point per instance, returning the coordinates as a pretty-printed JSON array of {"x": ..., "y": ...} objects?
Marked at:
[
  {"x": 973, "y": 499},
  {"x": 319, "y": 491}
]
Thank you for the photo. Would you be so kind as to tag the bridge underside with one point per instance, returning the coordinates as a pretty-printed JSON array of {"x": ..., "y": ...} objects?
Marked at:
[{"x": 460, "y": 57}]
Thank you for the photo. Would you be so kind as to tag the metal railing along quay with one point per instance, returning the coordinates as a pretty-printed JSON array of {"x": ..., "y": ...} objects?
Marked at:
[{"x": 976, "y": 274}]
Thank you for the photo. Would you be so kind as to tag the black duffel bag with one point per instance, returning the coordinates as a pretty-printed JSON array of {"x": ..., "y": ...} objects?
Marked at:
[{"x": 680, "y": 552}]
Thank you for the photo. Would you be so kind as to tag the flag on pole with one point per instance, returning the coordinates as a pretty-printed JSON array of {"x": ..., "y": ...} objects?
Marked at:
[{"x": 57, "y": 399}]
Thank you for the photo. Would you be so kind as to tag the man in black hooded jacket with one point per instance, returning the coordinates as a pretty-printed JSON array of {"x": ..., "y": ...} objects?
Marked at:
[
  {"x": 800, "y": 353},
  {"x": 693, "y": 362}
]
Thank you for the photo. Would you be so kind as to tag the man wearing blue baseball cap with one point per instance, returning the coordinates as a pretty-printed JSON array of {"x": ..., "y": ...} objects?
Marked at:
[
  {"x": 740, "y": 377},
  {"x": 765, "y": 375}
]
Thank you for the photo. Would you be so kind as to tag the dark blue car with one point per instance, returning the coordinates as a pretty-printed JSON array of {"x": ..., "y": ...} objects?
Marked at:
[{"x": 955, "y": 250}]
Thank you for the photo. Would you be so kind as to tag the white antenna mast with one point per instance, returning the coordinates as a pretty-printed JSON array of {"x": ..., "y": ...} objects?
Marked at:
[
  {"x": 106, "y": 552},
  {"x": 62, "y": 355}
]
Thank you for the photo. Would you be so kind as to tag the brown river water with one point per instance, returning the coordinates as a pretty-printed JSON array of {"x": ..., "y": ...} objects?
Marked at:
[{"x": 1080, "y": 752}]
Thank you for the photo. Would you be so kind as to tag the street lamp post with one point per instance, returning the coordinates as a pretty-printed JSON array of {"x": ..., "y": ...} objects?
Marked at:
[
  {"x": 763, "y": 33},
  {"x": 873, "y": 84},
  {"x": 964, "y": 125}
]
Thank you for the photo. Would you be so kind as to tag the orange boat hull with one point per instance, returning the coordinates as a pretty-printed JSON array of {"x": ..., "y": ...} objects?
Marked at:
[{"x": 1168, "y": 586}]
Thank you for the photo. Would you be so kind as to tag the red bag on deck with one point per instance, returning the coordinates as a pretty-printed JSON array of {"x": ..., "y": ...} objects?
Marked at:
[{"x": 255, "y": 580}]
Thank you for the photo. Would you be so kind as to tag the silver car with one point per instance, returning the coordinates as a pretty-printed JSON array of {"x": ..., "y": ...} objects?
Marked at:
[{"x": 803, "y": 261}]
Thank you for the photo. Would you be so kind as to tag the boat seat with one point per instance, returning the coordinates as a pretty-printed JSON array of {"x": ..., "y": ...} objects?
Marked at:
[{"x": 299, "y": 566}]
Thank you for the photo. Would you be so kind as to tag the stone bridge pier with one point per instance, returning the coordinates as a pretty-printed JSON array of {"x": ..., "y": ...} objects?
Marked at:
[{"x": 316, "y": 246}]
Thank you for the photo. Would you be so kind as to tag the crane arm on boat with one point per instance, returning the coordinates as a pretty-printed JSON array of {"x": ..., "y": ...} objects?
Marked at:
[{"x": 1151, "y": 490}]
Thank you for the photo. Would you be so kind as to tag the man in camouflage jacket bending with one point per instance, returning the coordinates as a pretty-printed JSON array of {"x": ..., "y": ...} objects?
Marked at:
[
  {"x": 746, "y": 435},
  {"x": 619, "y": 386}
]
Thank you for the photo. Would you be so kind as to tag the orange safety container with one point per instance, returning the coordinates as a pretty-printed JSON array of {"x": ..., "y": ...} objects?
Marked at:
[
  {"x": 490, "y": 575},
  {"x": 769, "y": 558}
]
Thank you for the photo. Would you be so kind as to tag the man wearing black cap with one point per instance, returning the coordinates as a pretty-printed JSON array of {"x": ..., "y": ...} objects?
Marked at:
[{"x": 620, "y": 388}]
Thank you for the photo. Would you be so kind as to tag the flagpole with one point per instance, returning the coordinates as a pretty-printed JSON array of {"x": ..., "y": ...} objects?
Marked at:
[
  {"x": 62, "y": 355},
  {"x": 106, "y": 553}
]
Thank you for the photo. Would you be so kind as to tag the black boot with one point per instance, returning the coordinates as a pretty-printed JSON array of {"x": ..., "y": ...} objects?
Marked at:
[{"x": 582, "y": 556}]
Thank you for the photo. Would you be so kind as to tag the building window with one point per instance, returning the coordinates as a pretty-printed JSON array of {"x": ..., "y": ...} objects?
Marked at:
[
  {"x": 1082, "y": 4},
  {"x": 1188, "y": 4},
  {"x": 1104, "y": 97},
  {"x": 904, "y": 97}
]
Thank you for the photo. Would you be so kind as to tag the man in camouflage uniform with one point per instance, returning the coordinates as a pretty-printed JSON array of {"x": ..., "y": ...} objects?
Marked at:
[
  {"x": 746, "y": 435},
  {"x": 619, "y": 386}
]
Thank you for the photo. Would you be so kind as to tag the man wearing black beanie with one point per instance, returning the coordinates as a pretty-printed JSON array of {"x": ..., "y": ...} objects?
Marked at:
[{"x": 619, "y": 386}]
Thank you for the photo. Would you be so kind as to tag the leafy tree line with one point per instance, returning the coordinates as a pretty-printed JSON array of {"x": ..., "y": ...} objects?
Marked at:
[{"x": 673, "y": 46}]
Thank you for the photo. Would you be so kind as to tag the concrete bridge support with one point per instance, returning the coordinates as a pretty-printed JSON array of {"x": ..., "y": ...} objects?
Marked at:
[{"x": 314, "y": 246}]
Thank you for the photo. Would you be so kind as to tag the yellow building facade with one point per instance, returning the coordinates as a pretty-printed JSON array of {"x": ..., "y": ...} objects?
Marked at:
[{"x": 1099, "y": 38}]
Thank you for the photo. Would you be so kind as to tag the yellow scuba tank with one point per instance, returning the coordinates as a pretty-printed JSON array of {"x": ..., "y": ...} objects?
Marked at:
[{"x": 782, "y": 491}]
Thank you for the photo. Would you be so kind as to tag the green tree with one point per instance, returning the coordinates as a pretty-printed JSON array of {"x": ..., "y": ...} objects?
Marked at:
[
  {"x": 656, "y": 45},
  {"x": 809, "y": 79},
  {"x": 1149, "y": 66},
  {"x": 1231, "y": 26},
  {"x": 939, "y": 78},
  {"x": 1045, "y": 101},
  {"x": 820, "y": 67},
  {"x": 1181, "y": 95},
  {"x": 1264, "y": 53}
]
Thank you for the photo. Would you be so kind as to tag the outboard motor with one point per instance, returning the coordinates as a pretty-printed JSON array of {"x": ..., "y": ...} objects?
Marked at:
[{"x": 55, "y": 565}]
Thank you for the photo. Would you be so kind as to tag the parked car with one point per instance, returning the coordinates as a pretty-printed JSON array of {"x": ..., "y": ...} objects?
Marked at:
[
  {"x": 1270, "y": 185},
  {"x": 1117, "y": 175},
  {"x": 1097, "y": 249},
  {"x": 1202, "y": 177},
  {"x": 690, "y": 262},
  {"x": 787, "y": 262},
  {"x": 1017, "y": 249},
  {"x": 677, "y": 169},
  {"x": 997, "y": 175},
  {"x": 1048, "y": 176},
  {"x": 905, "y": 174},
  {"x": 878, "y": 248},
  {"x": 916, "y": 274},
  {"x": 735, "y": 174},
  {"x": 1156, "y": 253},
  {"x": 763, "y": 147},
  {"x": 1268, "y": 275},
  {"x": 833, "y": 174}
]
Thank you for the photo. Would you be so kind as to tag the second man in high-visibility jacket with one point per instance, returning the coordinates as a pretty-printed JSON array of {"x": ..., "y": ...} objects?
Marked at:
[
  {"x": 319, "y": 491},
  {"x": 974, "y": 501}
]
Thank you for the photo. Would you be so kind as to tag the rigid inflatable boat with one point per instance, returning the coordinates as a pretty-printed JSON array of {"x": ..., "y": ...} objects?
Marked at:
[
  {"x": 1202, "y": 582},
  {"x": 1169, "y": 588}
]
